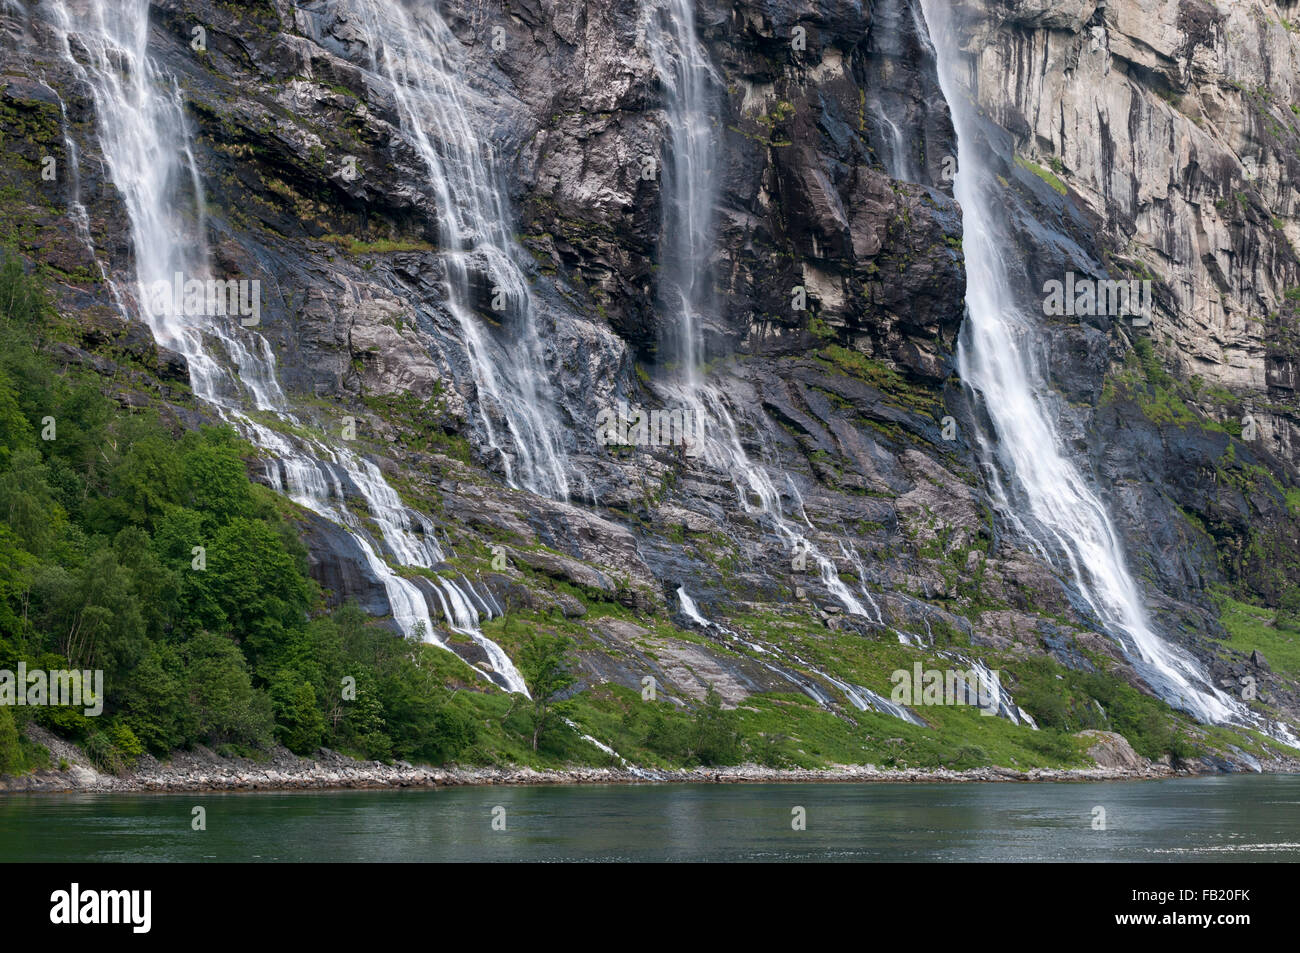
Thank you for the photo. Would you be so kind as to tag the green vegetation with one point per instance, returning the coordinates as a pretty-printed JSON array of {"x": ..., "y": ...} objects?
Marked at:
[
  {"x": 542, "y": 664},
  {"x": 1043, "y": 174},
  {"x": 886, "y": 379},
  {"x": 1066, "y": 700},
  {"x": 131, "y": 546},
  {"x": 381, "y": 246},
  {"x": 1274, "y": 633},
  {"x": 1159, "y": 396},
  {"x": 419, "y": 423},
  {"x": 150, "y": 555}
]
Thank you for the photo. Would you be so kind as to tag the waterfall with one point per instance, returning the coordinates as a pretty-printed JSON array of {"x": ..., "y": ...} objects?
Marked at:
[
  {"x": 689, "y": 192},
  {"x": 887, "y": 32},
  {"x": 691, "y": 610},
  {"x": 996, "y": 361},
  {"x": 416, "y": 55},
  {"x": 689, "y": 175},
  {"x": 863, "y": 699},
  {"x": 880, "y": 703},
  {"x": 148, "y": 148}
]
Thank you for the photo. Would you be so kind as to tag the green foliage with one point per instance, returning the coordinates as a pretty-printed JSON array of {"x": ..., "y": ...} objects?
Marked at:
[
  {"x": 220, "y": 693},
  {"x": 1048, "y": 177},
  {"x": 100, "y": 531},
  {"x": 1274, "y": 633},
  {"x": 542, "y": 663},
  {"x": 23, "y": 301},
  {"x": 1069, "y": 701},
  {"x": 380, "y": 246},
  {"x": 299, "y": 721},
  {"x": 11, "y": 755},
  {"x": 155, "y": 703},
  {"x": 99, "y": 749},
  {"x": 128, "y": 546},
  {"x": 1293, "y": 501},
  {"x": 969, "y": 756},
  {"x": 879, "y": 375},
  {"x": 714, "y": 738}
]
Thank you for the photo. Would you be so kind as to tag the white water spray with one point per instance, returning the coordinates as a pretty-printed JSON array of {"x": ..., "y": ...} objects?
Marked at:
[
  {"x": 888, "y": 35},
  {"x": 415, "y": 53}
]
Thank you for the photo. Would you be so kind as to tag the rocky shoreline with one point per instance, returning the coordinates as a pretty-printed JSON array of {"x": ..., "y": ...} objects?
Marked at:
[{"x": 204, "y": 771}]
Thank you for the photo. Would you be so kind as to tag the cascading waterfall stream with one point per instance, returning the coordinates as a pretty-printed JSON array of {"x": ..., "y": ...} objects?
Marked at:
[
  {"x": 861, "y": 698},
  {"x": 690, "y": 192},
  {"x": 147, "y": 145},
  {"x": 419, "y": 58},
  {"x": 996, "y": 361}
]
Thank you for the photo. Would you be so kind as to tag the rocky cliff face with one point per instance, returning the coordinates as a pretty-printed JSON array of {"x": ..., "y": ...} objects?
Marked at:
[
  {"x": 1154, "y": 139},
  {"x": 1168, "y": 131}
]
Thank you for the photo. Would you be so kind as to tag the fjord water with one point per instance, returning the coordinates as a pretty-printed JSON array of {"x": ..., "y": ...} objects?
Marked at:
[
  {"x": 147, "y": 145},
  {"x": 1050, "y": 501},
  {"x": 1224, "y": 818}
]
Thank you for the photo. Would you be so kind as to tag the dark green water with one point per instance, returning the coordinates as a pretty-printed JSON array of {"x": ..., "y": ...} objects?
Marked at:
[{"x": 1233, "y": 818}]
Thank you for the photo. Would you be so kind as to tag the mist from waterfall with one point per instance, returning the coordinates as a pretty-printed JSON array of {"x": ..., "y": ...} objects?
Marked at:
[
  {"x": 1053, "y": 503},
  {"x": 148, "y": 148}
]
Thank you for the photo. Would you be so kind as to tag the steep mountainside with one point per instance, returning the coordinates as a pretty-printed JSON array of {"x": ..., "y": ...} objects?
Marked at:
[{"x": 480, "y": 229}]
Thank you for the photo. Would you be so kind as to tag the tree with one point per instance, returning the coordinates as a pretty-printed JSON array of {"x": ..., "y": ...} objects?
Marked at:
[
  {"x": 146, "y": 480},
  {"x": 23, "y": 299},
  {"x": 156, "y": 702},
  {"x": 222, "y": 694},
  {"x": 300, "y": 725},
  {"x": 11, "y": 753},
  {"x": 214, "y": 476},
  {"x": 94, "y": 613},
  {"x": 363, "y": 719},
  {"x": 15, "y": 431},
  {"x": 542, "y": 663},
  {"x": 27, "y": 504},
  {"x": 256, "y": 584}
]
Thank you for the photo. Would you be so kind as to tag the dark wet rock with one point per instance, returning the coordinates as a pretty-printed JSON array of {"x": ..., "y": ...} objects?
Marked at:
[{"x": 337, "y": 563}]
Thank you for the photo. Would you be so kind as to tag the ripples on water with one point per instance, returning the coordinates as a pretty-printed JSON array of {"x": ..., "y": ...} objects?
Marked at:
[{"x": 1234, "y": 818}]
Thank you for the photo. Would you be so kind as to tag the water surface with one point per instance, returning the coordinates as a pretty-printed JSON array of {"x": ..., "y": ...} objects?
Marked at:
[{"x": 1227, "y": 818}]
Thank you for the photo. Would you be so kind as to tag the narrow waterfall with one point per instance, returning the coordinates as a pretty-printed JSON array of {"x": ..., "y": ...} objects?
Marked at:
[
  {"x": 888, "y": 34},
  {"x": 689, "y": 195},
  {"x": 147, "y": 145},
  {"x": 690, "y": 609},
  {"x": 863, "y": 699},
  {"x": 689, "y": 177},
  {"x": 1051, "y": 500},
  {"x": 414, "y": 52}
]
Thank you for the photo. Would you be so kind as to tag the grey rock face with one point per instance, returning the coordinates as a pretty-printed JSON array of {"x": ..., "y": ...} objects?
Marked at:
[{"x": 1162, "y": 121}]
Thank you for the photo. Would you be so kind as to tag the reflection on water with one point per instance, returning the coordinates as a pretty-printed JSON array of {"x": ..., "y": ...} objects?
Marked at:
[{"x": 1231, "y": 818}]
